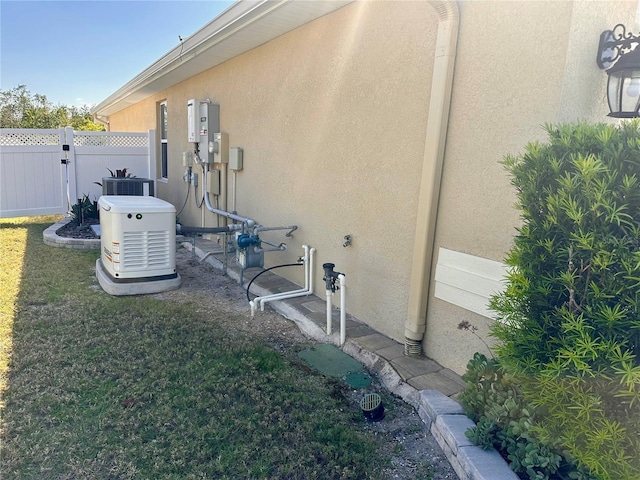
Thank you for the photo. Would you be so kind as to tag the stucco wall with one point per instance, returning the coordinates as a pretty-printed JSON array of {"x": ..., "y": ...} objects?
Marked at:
[
  {"x": 332, "y": 120},
  {"x": 520, "y": 65}
]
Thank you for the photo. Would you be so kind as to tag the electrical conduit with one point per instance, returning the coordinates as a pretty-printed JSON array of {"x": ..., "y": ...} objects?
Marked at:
[{"x": 248, "y": 221}]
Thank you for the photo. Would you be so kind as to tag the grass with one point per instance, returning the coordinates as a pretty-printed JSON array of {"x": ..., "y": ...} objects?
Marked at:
[{"x": 95, "y": 386}]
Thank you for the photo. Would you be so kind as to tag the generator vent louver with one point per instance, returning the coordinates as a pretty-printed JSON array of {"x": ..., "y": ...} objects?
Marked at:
[{"x": 145, "y": 249}]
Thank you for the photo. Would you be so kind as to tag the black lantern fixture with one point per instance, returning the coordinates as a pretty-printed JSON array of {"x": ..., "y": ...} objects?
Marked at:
[{"x": 619, "y": 53}]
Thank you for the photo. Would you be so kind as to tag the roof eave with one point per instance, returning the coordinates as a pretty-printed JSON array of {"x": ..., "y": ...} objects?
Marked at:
[{"x": 243, "y": 26}]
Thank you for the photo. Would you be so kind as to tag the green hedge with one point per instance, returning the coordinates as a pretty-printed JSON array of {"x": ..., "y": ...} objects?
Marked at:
[
  {"x": 505, "y": 420},
  {"x": 568, "y": 326}
]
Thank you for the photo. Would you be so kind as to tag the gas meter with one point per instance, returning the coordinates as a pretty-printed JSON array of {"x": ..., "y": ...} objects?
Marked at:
[{"x": 249, "y": 253}]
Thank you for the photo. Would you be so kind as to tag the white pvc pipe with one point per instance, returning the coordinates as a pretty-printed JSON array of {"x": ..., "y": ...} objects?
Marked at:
[
  {"x": 294, "y": 293},
  {"x": 308, "y": 284},
  {"x": 343, "y": 310},
  {"x": 328, "y": 294}
]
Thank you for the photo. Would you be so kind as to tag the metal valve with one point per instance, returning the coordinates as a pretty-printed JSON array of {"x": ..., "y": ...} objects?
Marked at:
[{"x": 330, "y": 276}]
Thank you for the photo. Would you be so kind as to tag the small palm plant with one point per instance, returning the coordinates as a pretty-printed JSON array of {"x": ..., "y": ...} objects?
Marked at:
[
  {"x": 117, "y": 174},
  {"x": 85, "y": 211}
]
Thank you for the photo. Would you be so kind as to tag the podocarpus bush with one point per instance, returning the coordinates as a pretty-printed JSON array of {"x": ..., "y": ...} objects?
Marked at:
[
  {"x": 504, "y": 420},
  {"x": 568, "y": 323}
]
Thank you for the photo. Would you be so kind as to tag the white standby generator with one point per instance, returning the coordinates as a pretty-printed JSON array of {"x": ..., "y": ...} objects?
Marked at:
[{"x": 138, "y": 245}]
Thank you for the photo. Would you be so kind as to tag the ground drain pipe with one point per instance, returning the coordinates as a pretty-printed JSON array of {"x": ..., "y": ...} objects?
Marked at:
[
  {"x": 330, "y": 277},
  {"x": 194, "y": 231},
  {"x": 308, "y": 284}
]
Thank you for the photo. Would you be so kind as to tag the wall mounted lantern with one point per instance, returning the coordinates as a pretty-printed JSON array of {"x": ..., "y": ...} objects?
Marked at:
[{"x": 619, "y": 53}]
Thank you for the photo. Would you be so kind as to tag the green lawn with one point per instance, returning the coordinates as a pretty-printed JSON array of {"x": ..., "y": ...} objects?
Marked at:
[{"x": 95, "y": 386}]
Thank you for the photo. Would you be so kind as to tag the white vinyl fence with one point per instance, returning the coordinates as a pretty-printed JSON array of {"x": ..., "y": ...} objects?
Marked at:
[{"x": 45, "y": 171}]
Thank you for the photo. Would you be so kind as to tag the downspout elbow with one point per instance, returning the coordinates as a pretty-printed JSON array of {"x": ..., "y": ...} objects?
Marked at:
[{"x": 103, "y": 120}]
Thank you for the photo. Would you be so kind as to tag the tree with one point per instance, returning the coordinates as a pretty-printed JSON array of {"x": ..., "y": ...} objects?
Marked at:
[
  {"x": 81, "y": 119},
  {"x": 19, "y": 108}
]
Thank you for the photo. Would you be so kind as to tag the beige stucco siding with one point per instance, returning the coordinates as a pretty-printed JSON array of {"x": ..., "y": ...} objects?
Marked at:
[
  {"x": 332, "y": 120},
  {"x": 520, "y": 65}
]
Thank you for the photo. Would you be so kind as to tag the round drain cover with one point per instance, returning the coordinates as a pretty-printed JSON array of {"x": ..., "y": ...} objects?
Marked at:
[{"x": 372, "y": 407}]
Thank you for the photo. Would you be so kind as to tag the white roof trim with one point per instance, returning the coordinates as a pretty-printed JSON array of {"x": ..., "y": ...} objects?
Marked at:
[{"x": 243, "y": 26}]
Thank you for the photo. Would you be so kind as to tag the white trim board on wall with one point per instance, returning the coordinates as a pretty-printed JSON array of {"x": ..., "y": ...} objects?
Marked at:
[{"x": 468, "y": 281}]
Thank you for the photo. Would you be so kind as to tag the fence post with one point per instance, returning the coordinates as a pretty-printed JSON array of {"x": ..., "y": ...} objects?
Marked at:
[
  {"x": 72, "y": 183},
  {"x": 152, "y": 157}
]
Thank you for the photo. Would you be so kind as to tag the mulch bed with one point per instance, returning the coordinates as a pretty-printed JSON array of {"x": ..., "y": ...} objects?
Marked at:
[{"x": 73, "y": 230}]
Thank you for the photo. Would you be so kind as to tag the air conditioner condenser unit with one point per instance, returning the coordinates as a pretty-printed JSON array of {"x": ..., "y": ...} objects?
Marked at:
[{"x": 138, "y": 245}]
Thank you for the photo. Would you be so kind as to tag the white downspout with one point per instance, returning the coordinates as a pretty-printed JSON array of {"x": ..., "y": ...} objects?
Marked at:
[{"x": 436, "y": 135}]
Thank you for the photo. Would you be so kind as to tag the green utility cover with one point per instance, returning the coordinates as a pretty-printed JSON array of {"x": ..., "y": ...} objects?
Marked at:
[
  {"x": 333, "y": 362},
  {"x": 358, "y": 380}
]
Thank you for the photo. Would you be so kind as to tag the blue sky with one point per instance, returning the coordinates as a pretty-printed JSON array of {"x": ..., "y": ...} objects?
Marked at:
[{"x": 80, "y": 52}]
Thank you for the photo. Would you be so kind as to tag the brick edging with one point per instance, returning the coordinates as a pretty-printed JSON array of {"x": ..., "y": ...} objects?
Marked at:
[
  {"x": 52, "y": 239},
  {"x": 448, "y": 423}
]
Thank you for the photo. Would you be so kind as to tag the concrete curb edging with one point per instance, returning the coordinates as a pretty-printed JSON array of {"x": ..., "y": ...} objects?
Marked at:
[
  {"x": 445, "y": 419},
  {"x": 52, "y": 239},
  {"x": 448, "y": 423}
]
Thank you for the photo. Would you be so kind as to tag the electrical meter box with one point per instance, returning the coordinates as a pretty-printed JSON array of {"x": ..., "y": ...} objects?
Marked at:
[
  {"x": 235, "y": 158},
  {"x": 203, "y": 120},
  {"x": 221, "y": 142},
  {"x": 137, "y": 238}
]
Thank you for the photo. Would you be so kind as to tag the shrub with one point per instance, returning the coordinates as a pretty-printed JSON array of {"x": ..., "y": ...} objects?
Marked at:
[
  {"x": 505, "y": 420},
  {"x": 568, "y": 324},
  {"x": 84, "y": 211},
  {"x": 119, "y": 173}
]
